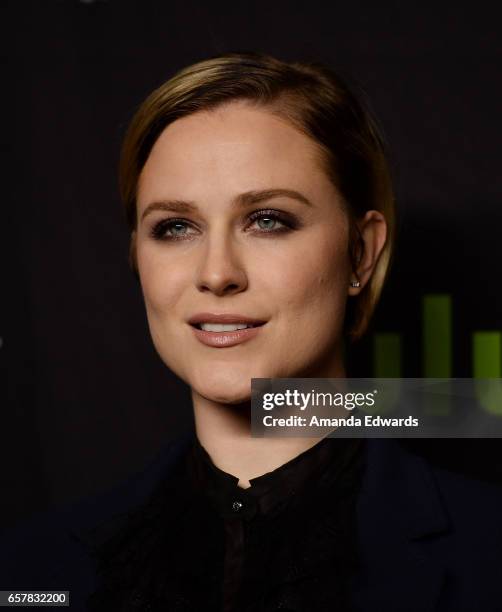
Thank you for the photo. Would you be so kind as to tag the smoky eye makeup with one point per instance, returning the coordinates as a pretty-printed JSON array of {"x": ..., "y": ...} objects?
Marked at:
[
  {"x": 261, "y": 222},
  {"x": 283, "y": 221},
  {"x": 170, "y": 229}
]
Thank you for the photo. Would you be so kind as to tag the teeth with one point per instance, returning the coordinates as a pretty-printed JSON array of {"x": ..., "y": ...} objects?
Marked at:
[{"x": 217, "y": 327}]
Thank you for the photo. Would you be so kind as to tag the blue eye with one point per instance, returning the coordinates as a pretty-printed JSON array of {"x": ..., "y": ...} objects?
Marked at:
[
  {"x": 170, "y": 229},
  {"x": 175, "y": 227},
  {"x": 272, "y": 218},
  {"x": 268, "y": 221}
]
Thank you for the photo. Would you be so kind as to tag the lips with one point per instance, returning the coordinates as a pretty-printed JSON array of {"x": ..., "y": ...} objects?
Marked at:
[
  {"x": 224, "y": 318},
  {"x": 223, "y": 327},
  {"x": 225, "y": 338}
]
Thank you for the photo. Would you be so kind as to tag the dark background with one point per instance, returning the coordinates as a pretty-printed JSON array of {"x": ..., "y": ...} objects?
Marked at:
[{"x": 88, "y": 399}]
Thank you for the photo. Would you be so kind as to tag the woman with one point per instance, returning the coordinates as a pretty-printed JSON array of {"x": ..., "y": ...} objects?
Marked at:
[{"x": 261, "y": 213}]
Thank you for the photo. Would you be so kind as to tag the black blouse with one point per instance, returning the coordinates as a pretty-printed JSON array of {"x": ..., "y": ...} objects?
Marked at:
[{"x": 200, "y": 542}]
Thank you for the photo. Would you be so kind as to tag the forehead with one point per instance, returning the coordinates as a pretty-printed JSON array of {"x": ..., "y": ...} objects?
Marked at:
[{"x": 233, "y": 148}]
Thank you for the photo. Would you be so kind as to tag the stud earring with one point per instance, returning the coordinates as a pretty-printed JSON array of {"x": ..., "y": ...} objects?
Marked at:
[{"x": 355, "y": 283}]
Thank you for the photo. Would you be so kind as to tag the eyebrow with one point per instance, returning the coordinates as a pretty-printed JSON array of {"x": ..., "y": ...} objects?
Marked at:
[{"x": 242, "y": 200}]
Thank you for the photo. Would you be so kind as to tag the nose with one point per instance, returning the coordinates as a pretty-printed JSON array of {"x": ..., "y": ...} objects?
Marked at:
[{"x": 221, "y": 271}]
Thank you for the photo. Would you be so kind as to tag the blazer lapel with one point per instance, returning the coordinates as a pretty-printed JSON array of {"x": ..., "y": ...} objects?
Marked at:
[{"x": 397, "y": 508}]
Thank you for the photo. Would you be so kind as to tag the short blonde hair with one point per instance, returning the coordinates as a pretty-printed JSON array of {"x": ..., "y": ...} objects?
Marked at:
[{"x": 317, "y": 101}]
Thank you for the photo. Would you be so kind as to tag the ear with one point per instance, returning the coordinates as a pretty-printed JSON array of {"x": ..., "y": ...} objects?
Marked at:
[{"x": 373, "y": 231}]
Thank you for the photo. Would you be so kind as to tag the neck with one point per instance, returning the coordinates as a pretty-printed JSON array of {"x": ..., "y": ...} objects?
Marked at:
[{"x": 224, "y": 430}]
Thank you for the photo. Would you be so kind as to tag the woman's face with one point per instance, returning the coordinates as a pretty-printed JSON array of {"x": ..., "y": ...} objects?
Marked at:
[{"x": 203, "y": 246}]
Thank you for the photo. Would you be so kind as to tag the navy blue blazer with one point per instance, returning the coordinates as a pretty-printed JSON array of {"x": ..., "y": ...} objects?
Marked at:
[{"x": 429, "y": 539}]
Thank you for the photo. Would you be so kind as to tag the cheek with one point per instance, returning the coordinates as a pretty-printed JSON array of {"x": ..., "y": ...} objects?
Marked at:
[
  {"x": 161, "y": 281},
  {"x": 314, "y": 281}
]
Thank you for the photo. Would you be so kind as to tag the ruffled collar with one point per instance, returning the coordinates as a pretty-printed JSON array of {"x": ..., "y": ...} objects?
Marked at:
[{"x": 270, "y": 493}]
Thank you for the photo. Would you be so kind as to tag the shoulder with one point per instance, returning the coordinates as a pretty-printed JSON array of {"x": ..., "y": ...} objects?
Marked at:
[
  {"x": 429, "y": 534},
  {"x": 435, "y": 491},
  {"x": 470, "y": 548},
  {"x": 468, "y": 482},
  {"x": 474, "y": 507},
  {"x": 49, "y": 551},
  {"x": 445, "y": 471}
]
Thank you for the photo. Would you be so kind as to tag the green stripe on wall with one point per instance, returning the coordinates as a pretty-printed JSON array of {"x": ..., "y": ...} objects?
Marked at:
[
  {"x": 437, "y": 336},
  {"x": 487, "y": 354},
  {"x": 387, "y": 355}
]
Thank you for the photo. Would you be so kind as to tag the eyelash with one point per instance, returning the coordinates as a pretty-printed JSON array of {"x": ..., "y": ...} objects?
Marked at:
[{"x": 158, "y": 232}]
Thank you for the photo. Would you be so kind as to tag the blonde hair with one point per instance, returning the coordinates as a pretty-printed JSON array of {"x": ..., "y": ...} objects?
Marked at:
[{"x": 317, "y": 101}]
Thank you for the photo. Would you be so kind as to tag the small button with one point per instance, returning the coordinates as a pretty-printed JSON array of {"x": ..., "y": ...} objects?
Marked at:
[{"x": 236, "y": 506}]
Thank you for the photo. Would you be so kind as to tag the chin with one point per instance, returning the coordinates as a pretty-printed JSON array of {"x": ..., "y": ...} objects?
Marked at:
[
  {"x": 222, "y": 384},
  {"x": 224, "y": 395}
]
